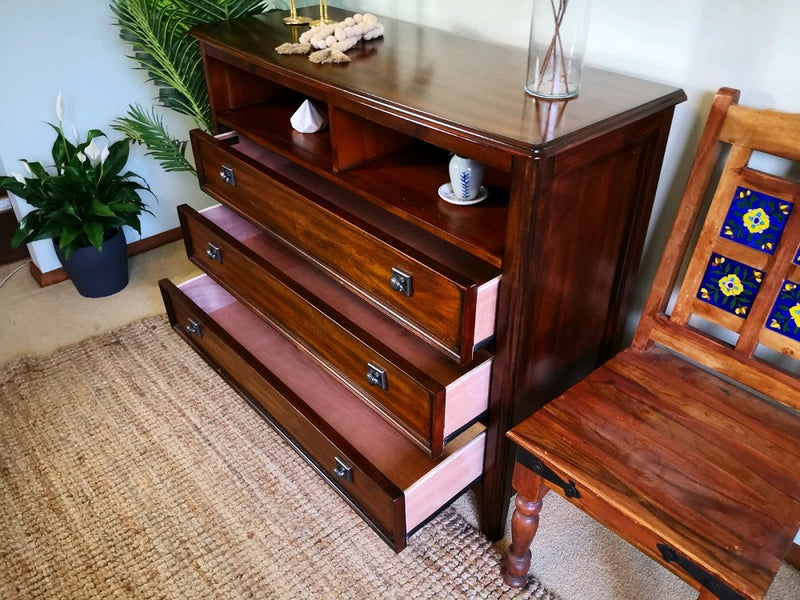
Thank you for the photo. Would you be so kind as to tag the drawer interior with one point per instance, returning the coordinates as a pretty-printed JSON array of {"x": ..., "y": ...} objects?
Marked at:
[
  {"x": 454, "y": 298},
  {"x": 456, "y": 395},
  {"x": 427, "y": 484}
]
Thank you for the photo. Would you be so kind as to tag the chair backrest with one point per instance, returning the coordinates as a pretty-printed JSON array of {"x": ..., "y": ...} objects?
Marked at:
[{"x": 743, "y": 275}]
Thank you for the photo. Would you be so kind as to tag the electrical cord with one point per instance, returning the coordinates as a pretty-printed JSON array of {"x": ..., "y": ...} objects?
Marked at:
[{"x": 10, "y": 275}]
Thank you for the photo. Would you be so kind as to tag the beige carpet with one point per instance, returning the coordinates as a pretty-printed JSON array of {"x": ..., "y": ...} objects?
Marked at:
[
  {"x": 574, "y": 556},
  {"x": 129, "y": 469}
]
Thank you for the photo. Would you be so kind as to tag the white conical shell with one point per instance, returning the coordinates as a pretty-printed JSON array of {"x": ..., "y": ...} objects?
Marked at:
[{"x": 307, "y": 119}]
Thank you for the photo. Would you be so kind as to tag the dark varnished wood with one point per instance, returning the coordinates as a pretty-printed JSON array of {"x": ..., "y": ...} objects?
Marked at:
[
  {"x": 524, "y": 524},
  {"x": 571, "y": 184},
  {"x": 683, "y": 452},
  {"x": 579, "y": 236},
  {"x": 272, "y": 394},
  {"x": 315, "y": 414},
  {"x": 343, "y": 332},
  {"x": 360, "y": 245},
  {"x": 430, "y": 80},
  {"x": 688, "y": 440}
]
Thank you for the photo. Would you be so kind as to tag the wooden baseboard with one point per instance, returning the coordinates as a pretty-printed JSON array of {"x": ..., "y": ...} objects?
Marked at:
[
  {"x": 793, "y": 557},
  {"x": 137, "y": 247}
]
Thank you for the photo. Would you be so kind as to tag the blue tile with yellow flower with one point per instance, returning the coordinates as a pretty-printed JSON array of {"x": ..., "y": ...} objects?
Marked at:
[
  {"x": 730, "y": 285},
  {"x": 756, "y": 219},
  {"x": 785, "y": 315}
]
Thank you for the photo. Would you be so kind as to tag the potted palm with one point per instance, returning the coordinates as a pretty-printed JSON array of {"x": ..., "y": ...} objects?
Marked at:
[{"x": 82, "y": 202}]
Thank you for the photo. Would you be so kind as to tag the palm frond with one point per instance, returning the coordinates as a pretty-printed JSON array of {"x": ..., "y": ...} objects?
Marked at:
[
  {"x": 148, "y": 128},
  {"x": 158, "y": 32},
  {"x": 208, "y": 11},
  {"x": 170, "y": 57}
]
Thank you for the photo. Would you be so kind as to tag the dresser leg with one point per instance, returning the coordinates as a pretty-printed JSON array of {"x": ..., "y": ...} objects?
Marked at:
[{"x": 524, "y": 523}]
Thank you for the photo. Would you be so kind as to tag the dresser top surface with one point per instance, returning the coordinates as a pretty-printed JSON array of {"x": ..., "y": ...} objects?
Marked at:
[{"x": 469, "y": 88}]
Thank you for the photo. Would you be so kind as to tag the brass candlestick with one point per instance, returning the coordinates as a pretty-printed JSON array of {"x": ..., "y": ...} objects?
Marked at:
[
  {"x": 323, "y": 15},
  {"x": 293, "y": 19}
]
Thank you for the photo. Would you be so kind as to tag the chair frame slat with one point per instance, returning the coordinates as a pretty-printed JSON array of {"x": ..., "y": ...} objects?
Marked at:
[
  {"x": 779, "y": 385},
  {"x": 775, "y": 274},
  {"x": 748, "y": 130},
  {"x": 706, "y": 157},
  {"x": 769, "y": 131},
  {"x": 737, "y": 160}
]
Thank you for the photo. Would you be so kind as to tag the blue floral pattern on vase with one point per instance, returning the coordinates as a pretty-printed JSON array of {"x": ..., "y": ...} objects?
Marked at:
[
  {"x": 465, "y": 182},
  {"x": 730, "y": 285},
  {"x": 785, "y": 315},
  {"x": 756, "y": 219}
]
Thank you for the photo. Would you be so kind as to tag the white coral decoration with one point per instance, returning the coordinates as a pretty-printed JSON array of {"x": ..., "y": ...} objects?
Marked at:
[{"x": 344, "y": 35}]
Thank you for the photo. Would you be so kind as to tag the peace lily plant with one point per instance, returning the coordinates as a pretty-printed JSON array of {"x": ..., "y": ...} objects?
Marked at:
[{"x": 84, "y": 198}]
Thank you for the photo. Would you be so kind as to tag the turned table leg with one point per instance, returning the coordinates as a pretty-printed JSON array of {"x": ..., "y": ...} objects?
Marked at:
[{"x": 524, "y": 523}]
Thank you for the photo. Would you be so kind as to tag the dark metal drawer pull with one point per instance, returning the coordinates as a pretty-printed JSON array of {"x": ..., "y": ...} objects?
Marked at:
[
  {"x": 194, "y": 327},
  {"x": 541, "y": 469},
  {"x": 227, "y": 175},
  {"x": 214, "y": 252},
  {"x": 377, "y": 376},
  {"x": 342, "y": 470},
  {"x": 708, "y": 581},
  {"x": 401, "y": 282}
]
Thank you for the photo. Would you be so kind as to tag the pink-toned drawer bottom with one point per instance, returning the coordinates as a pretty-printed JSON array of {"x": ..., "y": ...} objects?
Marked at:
[{"x": 393, "y": 484}]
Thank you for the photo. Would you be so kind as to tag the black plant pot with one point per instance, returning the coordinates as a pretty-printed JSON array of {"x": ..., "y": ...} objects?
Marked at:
[{"x": 96, "y": 274}]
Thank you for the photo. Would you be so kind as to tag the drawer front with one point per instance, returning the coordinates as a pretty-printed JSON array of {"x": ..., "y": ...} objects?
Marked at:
[
  {"x": 399, "y": 389},
  {"x": 441, "y": 306},
  {"x": 371, "y": 494}
]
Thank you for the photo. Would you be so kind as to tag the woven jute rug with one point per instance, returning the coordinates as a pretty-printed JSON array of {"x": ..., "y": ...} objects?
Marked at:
[{"x": 129, "y": 469}]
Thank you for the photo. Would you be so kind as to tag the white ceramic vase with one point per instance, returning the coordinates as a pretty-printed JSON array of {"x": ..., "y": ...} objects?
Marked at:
[{"x": 466, "y": 177}]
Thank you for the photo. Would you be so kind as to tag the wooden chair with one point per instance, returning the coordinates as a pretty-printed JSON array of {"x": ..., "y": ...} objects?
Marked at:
[{"x": 687, "y": 444}]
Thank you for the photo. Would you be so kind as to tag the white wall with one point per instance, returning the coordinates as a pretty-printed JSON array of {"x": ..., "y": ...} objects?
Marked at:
[{"x": 49, "y": 45}]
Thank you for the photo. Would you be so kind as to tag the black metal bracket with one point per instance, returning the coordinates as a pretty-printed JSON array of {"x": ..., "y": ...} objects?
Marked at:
[
  {"x": 708, "y": 581},
  {"x": 541, "y": 469}
]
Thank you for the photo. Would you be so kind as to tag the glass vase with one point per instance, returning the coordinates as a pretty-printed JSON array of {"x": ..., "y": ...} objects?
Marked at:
[{"x": 559, "y": 29}]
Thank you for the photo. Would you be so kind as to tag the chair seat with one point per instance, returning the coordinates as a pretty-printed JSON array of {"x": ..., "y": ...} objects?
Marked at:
[{"x": 687, "y": 458}]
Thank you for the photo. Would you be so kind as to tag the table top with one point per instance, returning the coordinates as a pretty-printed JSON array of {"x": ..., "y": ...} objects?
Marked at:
[{"x": 429, "y": 76}]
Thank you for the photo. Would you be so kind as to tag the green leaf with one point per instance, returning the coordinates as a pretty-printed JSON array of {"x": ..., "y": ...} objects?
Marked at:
[
  {"x": 37, "y": 169},
  {"x": 148, "y": 128},
  {"x": 68, "y": 236},
  {"x": 117, "y": 158},
  {"x": 94, "y": 232},
  {"x": 101, "y": 210}
]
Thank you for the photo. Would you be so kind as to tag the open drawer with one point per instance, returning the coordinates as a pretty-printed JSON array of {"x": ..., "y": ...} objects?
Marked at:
[
  {"x": 442, "y": 293},
  {"x": 385, "y": 477},
  {"x": 424, "y": 393}
]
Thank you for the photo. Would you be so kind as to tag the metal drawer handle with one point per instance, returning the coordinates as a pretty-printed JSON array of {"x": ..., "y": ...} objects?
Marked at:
[
  {"x": 377, "y": 376},
  {"x": 193, "y": 328},
  {"x": 401, "y": 282},
  {"x": 227, "y": 175},
  {"x": 342, "y": 470},
  {"x": 214, "y": 252}
]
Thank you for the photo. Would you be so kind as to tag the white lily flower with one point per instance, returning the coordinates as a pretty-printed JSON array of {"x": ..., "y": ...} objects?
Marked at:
[
  {"x": 81, "y": 157},
  {"x": 95, "y": 153},
  {"x": 59, "y": 108},
  {"x": 104, "y": 154},
  {"x": 30, "y": 173},
  {"x": 18, "y": 176}
]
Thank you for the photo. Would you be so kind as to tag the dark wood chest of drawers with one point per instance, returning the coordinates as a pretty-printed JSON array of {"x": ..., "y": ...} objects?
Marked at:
[{"x": 392, "y": 337}]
